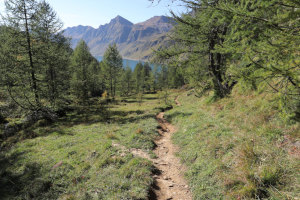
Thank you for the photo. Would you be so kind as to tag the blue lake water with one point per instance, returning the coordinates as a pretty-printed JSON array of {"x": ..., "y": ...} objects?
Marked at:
[{"x": 130, "y": 63}]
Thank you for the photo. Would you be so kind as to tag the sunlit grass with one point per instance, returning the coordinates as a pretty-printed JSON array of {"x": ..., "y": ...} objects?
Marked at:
[
  {"x": 232, "y": 147},
  {"x": 74, "y": 158}
]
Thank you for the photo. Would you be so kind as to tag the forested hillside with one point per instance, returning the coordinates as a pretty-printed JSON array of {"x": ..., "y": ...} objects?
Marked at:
[{"x": 213, "y": 115}]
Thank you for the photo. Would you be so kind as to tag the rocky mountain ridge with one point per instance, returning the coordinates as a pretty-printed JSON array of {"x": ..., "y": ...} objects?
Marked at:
[{"x": 135, "y": 41}]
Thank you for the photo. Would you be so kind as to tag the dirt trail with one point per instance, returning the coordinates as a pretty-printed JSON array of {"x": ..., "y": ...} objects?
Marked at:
[
  {"x": 176, "y": 101},
  {"x": 169, "y": 182}
]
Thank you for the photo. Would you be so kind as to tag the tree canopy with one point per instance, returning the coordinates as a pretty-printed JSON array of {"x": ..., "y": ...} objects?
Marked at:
[{"x": 219, "y": 43}]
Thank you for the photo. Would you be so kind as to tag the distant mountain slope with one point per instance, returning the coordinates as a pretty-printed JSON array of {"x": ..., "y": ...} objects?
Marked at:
[{"x": 135, "y": 41}]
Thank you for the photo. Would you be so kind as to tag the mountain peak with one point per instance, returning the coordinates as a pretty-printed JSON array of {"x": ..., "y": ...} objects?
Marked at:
[
  {"x": 121, "y": 20},
  {"x": 156, "y": 20},
  {"x": 133, "y": 40}
]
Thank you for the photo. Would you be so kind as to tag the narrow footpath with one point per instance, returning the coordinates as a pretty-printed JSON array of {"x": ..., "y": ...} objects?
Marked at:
[{"x": 169, "y": 182}]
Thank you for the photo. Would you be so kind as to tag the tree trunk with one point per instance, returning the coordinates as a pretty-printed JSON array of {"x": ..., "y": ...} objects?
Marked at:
[
  {"x": 29, "y": 51},
  {"x": 53, "y": 86},
  {"x": 216, "y": 68}
]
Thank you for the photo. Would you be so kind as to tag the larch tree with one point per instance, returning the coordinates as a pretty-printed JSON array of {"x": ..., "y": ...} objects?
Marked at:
[
  {"x": 146, "y": 75},
  {"x": 33, "y": 53},
  {"x": 127, "y": 81},
  {"x": 265, "y": 43},
  {"x": 138, "y": 79},
  {"x": 52, "y": 52},
  {"x": 21, "y": 72},
  {"x": 112, "y": 66},
  {"x": 194, "y": 43},
  {"x": 224, "y": 42},
  {"x": 95, "y": 84},
  {"x": 81, "y": 60}
]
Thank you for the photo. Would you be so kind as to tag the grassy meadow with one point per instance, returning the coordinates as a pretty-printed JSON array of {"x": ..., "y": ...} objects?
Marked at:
[
  {"x": 75, "y": 159},
  {"x": 234, "y": 148},
  {"x": 237, "y": 147}
]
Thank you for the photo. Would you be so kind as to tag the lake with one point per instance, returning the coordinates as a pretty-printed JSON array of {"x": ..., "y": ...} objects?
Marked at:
[{"x": 130, "y": 63}]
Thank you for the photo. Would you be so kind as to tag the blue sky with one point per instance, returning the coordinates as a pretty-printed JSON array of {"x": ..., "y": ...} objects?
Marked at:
[{"x": 99, "y": 12}]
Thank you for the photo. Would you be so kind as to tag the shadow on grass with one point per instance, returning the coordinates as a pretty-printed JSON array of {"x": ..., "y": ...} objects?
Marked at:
[
  {"x": 176, "y": 114},
  {"x": 131, "y": 101},
  {"x": 85, "y": 115},
  {"x": 131, "y": 119},
  {"x": 29, "y": 181},
  {"x": 125, "y": 113},
  {"x": 89, "y": 117},
  {"x": 24, "y": 184},
  {"x": 150, "y": 98}
]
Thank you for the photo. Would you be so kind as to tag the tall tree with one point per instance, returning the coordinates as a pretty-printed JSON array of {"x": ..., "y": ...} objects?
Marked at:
[
  {"x": 20, "y": 21},
  {"x": 175, "y": 78},
  {"x": 253, "y": 42},
  {"x": 81, "y": 60},
  {"x": 264, "y": 41},
  {"x": 113, "y": 64},
  {"x": 95, "y": 78},
  {"x": 146, "y": 77},
  {"x": 32, "y": 48},
  {"x": 197, "y": 36},
  {"x": 127, "y": 81},
  {"x": 154, "y": 77},
  {"x": 52, "y": 53},
  {"x": 138, "y": 77}
]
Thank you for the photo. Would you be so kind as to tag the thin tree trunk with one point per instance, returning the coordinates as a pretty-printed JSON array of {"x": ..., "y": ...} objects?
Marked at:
[
  {"x": 216, "y": 71},
  {"x": 111, "y": 87},
  {"x": 32, "y": 70},
  {"x": 114, "y": 88},
  {"x": 128, "y": 87},
  {"x": 53, "y": 86}
]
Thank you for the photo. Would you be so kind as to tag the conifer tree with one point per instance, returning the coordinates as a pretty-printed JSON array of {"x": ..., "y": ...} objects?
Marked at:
[
  {"x": 112, "y": 66},
  {"x": 253, "y": 42},
  {"x": 154, "y": 78},
  {"x": 34, "y": 54},
  {"x": 52, "y": 54},
  {"x": 265, "y": 42},
  {"x": 146, "y": 77},
  {"x": 138, "y": 79},
  {"x": 197, "y": 36},
  {"x": 21, "y": 73},
  {"x": 103, "y": 77},
  {"x": 81, "y": 60},
  {"x": 175, "y": 78},
  {"x": 127, "y": 81},
  {"x": 95, "y": 80}
]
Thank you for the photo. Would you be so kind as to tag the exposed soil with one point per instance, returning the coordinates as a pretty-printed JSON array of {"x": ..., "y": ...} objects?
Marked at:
[
  {"x": 169, "y": 182},
  {"x": 176, "y": 101},
  {"x": 292, "y": 146}
]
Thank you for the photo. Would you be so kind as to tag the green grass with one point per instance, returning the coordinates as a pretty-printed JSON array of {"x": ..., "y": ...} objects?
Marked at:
[
  {"x": 232, "y": 147},
  {"x": 74, "y": 158}
]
